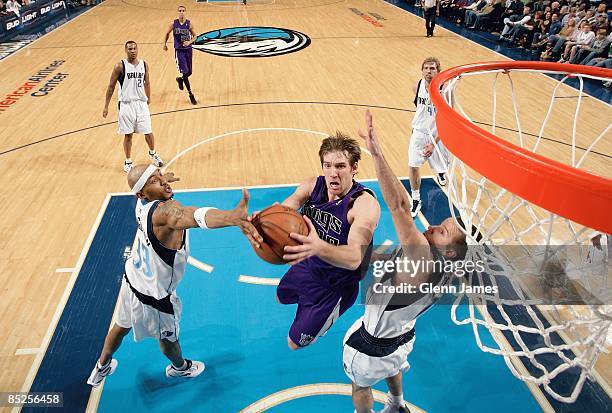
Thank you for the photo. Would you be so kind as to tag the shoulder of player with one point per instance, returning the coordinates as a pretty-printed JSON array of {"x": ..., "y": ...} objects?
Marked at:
[
  {"x": 365, "y": 205},
  {"x": 309, "y": 184},
  {"x": 165, "y": 210}
]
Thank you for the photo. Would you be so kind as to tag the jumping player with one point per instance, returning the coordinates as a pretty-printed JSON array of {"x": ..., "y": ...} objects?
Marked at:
[
  {"x": 376, "y": 347},
  {"x": 326, "y": 268},
  {"x": 184, "y": 36},
  {"x": 148, "y": 303}
]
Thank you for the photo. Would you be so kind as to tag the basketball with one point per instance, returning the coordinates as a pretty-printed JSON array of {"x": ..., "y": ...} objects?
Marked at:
[{"x": 274, "y": 224}]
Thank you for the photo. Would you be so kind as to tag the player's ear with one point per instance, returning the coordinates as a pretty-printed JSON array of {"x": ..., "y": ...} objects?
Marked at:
[{"x": 141, "y": 195}]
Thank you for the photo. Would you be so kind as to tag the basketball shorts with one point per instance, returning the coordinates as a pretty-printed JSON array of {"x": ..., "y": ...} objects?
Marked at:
[
  {"x": 439, "y": 158},
  {"x": 134, "y": 117},
  {"x": 319, "y": 306},
  {"x": 145, "y": 320},
  {"x": 184, "y": 59},
  {"x": 368, "y": 360}
]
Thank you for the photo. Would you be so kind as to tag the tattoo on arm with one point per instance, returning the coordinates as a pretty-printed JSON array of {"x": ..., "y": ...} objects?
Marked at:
[{"x": 170, "y": 210}]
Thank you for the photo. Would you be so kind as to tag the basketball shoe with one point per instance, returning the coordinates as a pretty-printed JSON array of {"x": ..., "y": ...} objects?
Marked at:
[
  {"x": 390, "y": 408},
  {"x": 416, "y": 207},
  {"x": 441, "y": 178},
  {"x": 127, "y": 166},
  {"x": 192, "y": 99},
  {"x": 99, "y": 372},
  {"x": 157, "y": 161},
  {"x": 179, "y": 80},
  {"x": 193, "y": 369}
]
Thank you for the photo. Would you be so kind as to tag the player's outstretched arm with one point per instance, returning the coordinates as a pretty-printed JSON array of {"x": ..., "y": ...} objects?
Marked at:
[
  {"x": 111, "y": 87},
  {"x": 393, "y": 191},
  {"x": 173, "y": 215}
]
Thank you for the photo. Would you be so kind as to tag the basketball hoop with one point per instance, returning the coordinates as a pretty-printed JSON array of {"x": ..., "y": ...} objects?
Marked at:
[{"x": 518, "y": 191}]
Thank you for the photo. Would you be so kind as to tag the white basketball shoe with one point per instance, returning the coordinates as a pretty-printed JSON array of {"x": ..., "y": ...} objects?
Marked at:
[
  {"x": 194, "y": 369},
  {"x": 100, "y": 372}
]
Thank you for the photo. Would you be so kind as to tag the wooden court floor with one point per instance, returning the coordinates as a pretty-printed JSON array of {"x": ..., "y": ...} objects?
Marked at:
[{"x": 59, "y": 157}]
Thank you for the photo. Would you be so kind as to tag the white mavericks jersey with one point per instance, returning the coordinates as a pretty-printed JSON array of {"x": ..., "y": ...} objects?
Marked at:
[
  {"x": 425, "y": 115},
  {"x": 385, "y": 319},
  {"x": 152, "y": 268},
  {"x": 131, "y": 82}
]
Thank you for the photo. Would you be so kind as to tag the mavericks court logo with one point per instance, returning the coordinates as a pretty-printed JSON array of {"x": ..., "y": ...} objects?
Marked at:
[{"x": 251, "y": 41}]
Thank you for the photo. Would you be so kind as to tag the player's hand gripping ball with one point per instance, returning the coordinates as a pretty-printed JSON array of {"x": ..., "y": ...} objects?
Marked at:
[{"x": 274, "y": 224}]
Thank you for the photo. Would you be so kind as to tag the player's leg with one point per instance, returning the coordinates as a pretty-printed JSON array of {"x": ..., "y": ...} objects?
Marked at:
[
  {"x": 363, "y": 400},
  {"x": 395, "y": 396},
  {"x": 439, "y": 162},
  {"x": 106, "y": 364},
  {"x": 143, "y": 125},
  {"x": 415, "y": 161},
  {"x": 127, "y": 149}
]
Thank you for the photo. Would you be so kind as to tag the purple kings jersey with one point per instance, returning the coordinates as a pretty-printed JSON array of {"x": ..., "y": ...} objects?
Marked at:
[
  {"x": 331, "y": 222},
  {"x": 181, "y": 33}
]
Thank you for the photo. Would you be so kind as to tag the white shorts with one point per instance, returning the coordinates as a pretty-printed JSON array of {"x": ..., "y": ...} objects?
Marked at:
[
  {"x": 145, "y": 320},
  {"x": 134, "y": 117},
  {"x": 366, "y": 371},
  {"x": 439, "y": 158}
]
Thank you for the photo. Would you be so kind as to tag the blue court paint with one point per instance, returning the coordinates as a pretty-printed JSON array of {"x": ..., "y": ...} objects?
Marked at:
[
  {"x": 240, "y": 332},
  {"x": 80, "y": 332}
]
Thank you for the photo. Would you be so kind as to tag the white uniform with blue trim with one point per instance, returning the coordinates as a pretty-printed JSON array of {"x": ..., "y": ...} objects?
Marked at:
[
  {"x": 134, "y": 115},
  {"x": 378, "y": 344},
  {"x": 424, "y": 131},
  {"x": 147, "y": 301}
]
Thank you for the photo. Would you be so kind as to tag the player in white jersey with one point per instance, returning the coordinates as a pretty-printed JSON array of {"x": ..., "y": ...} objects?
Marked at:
[
  {"x": 148, "y": 303},
  {"x": 376, "y": 347},
  {"x": 134, "y": 98},
  {"x": 425, "y": 143}
]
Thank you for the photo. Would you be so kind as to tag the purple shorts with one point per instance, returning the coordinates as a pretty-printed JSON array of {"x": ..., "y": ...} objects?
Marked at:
[
  {"x": 184, "y": 58},
  {"x": 319, "y": 305}
]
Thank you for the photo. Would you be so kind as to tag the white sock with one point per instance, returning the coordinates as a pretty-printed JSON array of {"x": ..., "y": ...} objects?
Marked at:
[
  {"x": 103, "y": 366},
  {"x": 128, "y": 160},
  {"x": 151, "y": 151},
  {"x": 416, "y": 195},
  {"x": 395, "y": 400}
]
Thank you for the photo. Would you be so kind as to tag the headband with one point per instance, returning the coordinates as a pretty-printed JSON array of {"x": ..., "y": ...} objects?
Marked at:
[{"x": 144, "y": 178}]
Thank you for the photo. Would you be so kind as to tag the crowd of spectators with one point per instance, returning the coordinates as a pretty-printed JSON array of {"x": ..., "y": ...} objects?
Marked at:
[
  {"x": 565, "y": 31},
  {"x": 8, "y": 7}
]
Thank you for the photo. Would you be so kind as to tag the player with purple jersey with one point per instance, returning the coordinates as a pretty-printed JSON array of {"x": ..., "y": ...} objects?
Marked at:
[
  {"x": 184, "y": 35},
  {"x": 326, "y": 268}
]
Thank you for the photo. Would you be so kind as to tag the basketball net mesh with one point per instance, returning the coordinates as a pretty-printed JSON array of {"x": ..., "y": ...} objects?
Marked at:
[{"x": 549, "y": 339}]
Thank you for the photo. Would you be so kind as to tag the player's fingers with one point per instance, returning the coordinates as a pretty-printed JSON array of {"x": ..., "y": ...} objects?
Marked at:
[
  {"x": 298, "y": 237},
  {"x": 311, "y": 227},
  {"x": 295, "y": 248},
  {"x": 252, "y": 231}
]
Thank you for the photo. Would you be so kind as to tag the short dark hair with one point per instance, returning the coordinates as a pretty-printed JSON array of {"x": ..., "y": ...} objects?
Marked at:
[
  {"x": 182, "y": 7},
  {"x": 130, "y": 42}
]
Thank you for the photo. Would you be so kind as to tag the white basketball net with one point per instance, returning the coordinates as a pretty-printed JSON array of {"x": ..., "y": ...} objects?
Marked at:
[{"x": 551, "y": 339}]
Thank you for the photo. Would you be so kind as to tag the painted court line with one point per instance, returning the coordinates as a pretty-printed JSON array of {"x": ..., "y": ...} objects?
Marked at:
[
  {"x": 200, "y": 265},
  {"x": 383, "y": 246},
  {"x": 307, "y": 390},
  {"x": 26, "y": 351},
  {"x": 64, "y": 270},
  {"x": 249, "y": 279}
]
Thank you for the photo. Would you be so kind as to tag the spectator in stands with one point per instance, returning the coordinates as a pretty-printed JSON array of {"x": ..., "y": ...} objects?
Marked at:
[
  {"x": 601, "y": 22},
  {"x": 567, "y": 32},
  {"x": 588, "y": 17},
  {"x": 515, "y": 21},
  {"x": 14, "y": 6},
  {"x": 482, "y": 7},
  {"x": 585, "y": 37},
  {"x": 555, "y": 7},
  {"x": 513, "y": 8},
  {"x": 540, "y": 39},
  {"x": 603, "y": 61},
  {"x": 492, "y": 17},
  {"x": 601, "y": 10},
  {"x": 598, "y": 48},
  {"x": 470, "y": 10},
  {"x": 522, "y": 35},
  {"x": 457, "y": 10},
  {"x": 548, "y": 54}
]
